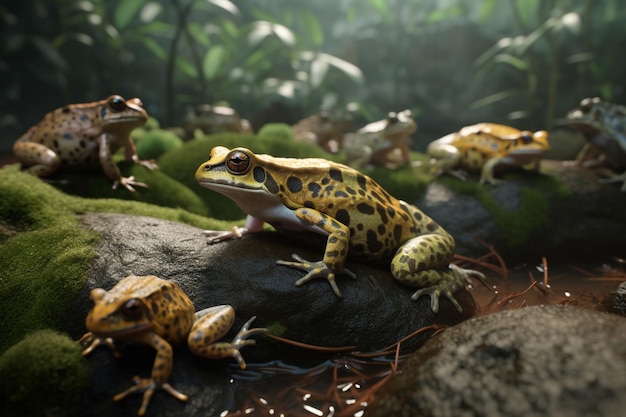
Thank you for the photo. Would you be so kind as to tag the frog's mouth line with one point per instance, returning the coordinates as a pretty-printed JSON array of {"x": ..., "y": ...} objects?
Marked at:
[{"x": 139, "y": 327}]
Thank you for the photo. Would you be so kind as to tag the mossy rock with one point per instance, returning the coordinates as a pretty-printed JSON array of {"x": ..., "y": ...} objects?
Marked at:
[
  {"x": 273, "y": 131},
  {"x": 156, "y": 142},
  {"x": 45, "y": 253},
  {"x": 42, "y": 375},
  {"x": 181, "y": 163},
  {"x": 162, "y": 190}
]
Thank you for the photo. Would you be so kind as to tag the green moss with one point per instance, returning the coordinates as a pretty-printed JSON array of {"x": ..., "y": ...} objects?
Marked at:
[
  {"x": 406, "y": 182},
  {"x": 41, "y": 374},
  {"x": 156, "y": 142},
  {"x": 181, "y": 163},
  {"x": 51, "y": 254},
  {"x": 272, "y": 131},
  {"x": 517, "y": 225},
  {"x": 276, "y": 329}
]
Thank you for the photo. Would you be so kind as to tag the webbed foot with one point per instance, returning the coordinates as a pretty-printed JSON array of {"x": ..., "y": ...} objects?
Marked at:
[
  {"x": 449, "y": 286},
  {"x": 148, "y": 386},
  {"x": 128, "y": 183},
  {"x": 216, "y": 236},
  {"x": 316, "y": 269}
]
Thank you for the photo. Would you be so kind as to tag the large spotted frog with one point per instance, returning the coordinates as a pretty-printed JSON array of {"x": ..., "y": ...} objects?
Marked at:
[
  {"x": 84, "y": 135},
  {"x": 383, "y": 143},
  {"x": 151, "y": 311},
  {"x": 604, "y": 126},
  {"x": 485, "y": 146},
  {"x": 356, "y": 214}
]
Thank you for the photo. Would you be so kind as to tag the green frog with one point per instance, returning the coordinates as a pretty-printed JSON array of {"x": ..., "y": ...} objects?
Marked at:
[
  {"x": 384, "y": 143},
  {"x": 214, "y": 119},
  {"x": 485, "y": 146},
  {"x": 152, "y": 311},
  {"x": 356, "y": 214},
  {"x": 84, "y": 135},
  {"x": 603, "y": 124}
]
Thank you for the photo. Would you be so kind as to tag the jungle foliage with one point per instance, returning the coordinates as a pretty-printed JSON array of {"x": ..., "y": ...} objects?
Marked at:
[{"x": 453, "y": 62}]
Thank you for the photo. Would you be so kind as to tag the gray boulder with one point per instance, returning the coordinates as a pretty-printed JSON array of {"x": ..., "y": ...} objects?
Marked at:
[{"x": 536, "y": 361}]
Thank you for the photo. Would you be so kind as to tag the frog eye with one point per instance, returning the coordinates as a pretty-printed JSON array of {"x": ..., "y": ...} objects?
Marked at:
[
  {"x": 526, "y": 139},
  {"x": 238, "y": 162},
  {"x": 132, "y": 309},
  {"x": 117, "y": 103}
]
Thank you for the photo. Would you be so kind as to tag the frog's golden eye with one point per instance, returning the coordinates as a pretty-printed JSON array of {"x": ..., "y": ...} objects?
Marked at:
[
  {"x": 238, "y": 162},
  {"x": 117, "y": 103},
  {"x": 132, "y": 309}
]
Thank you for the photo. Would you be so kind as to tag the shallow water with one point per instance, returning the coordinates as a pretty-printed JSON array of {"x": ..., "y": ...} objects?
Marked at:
[{"x": 343, "y": 386}]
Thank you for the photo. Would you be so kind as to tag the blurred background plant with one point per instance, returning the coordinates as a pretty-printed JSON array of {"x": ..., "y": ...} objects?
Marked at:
[{"x": 452, "y": 62}]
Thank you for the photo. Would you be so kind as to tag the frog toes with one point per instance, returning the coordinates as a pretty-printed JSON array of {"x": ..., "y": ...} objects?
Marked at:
[
  {"x": 148, "y": 386},
  {"x": 435, "y": 292}
]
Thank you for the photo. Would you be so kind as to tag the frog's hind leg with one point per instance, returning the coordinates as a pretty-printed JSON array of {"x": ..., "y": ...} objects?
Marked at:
[
  {"x": 37, "y": 159},
  {"x": 423, "y": 262}
]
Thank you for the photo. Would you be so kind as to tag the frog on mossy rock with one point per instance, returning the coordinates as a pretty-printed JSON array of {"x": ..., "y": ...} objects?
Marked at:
[
  {"x": 155, "y": 312},
  {"x": 359, "y": 218},
  {"x": 484, "y": 147},
  {"x": 602, "y": 123},
  {"x": 84, "y": 135}
]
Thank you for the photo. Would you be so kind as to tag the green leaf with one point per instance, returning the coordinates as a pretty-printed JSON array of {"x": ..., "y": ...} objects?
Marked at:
[
  {"x": 319, "y": 68},
  {"x": 153, "y": 46},
  {"x": 126, "y": 11},
  {"x": 513, "y": 61},
  {"x": 213, "y": 61},
  {"x": 49, "y": 53},
  {"x": 313, "y": 28},
  {"x": 349, "y": 69},
  {"x": 150, "y": 11},
  {"x": 186, "y": 67},
  {"x": 227, "y": 5}
]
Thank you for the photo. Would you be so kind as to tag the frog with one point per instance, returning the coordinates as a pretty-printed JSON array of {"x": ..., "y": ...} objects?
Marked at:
[
  {"x": 384, "y": 143},
  {"x": 603, "y": 125},
  {"x": 84, "y": 135},
  {"x": 357, "y": 217},
  {"x": 484, "y": 147},
  {"x": 210, "y": 119},
  {"x": 324, "y": 129},
  {"x": 152, "y": 311}
]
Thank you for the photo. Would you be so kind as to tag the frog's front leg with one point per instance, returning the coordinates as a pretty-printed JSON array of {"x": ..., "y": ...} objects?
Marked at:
[
  {"x": 38, "y": 159},
  {"x": 130, "y": 154},
  {"x": 445, "y": 158},
  {"x": 486, "y": 176},
  {"x": 110, "y": 167},
  {"x": 161, "y": 370},
  {"x": 334, "y": 255},
  {"x": 211, "y": 325},
  {"x": 424, "y": 262},
  {"x": 252, "y": 225}
]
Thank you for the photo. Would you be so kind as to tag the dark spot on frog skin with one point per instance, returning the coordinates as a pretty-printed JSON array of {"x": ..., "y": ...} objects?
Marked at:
[
  {"x": 294, "y": 184},
  {"x": 335, "y": 174},
  {"x": 432, "y": 226},
  {"x": 365, "y": 208},
  {"x": 66, "y": 110},
  {"x": 391, "y": 211},
  {"x": 360, "y": 179},
  {"x": 382, "y": 213},
  {"x": 397, "y": 232},
  {"x": 271, "y": 184},
  {"x": 350, "y": 191},
  {"x": 343, "y": 217},
  {"x": 68, "y": 136},
  {"x": 325, "y": 181},
  {"x": 315, "y": 189},
  {"x": 259, "y": 175},
  {"x": 103, "y": 113},
  {"x": 381, "y": 229},
  {"x": 373, "y": 244},
  {"x": 84, "y": 117},
  {"x": 308, "y": 204},
  {"x": 340, "y": 194}
]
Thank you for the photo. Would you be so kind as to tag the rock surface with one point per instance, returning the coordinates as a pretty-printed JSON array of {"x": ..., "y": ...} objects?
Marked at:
[
  {"x": 374, "y": 312},
  {"x": 536, "y": 361},
  {"x": 562, "y": 214}
]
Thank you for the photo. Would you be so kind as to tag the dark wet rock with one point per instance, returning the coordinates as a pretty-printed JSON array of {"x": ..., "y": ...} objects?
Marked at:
[
  {"x": 374, "y": 312},
  {"x": 536, "y": 361},
  {"x": 563, "y": 213},
  {"x": 615, "y": 302}
]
